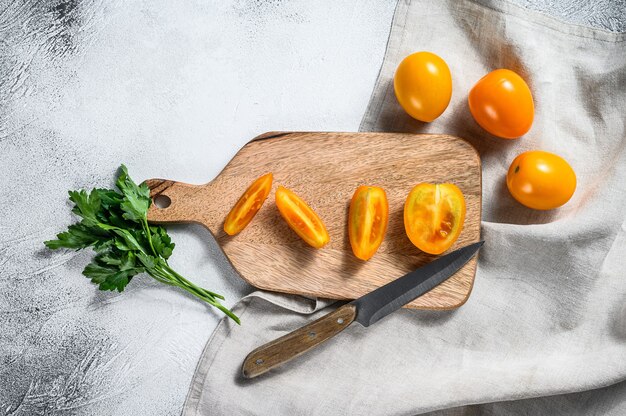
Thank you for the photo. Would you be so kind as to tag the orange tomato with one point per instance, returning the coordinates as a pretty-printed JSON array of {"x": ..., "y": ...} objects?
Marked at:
[
  {"x": 541, "y": 180},
  {"x": 502, "y": 104},
  {"x": 434, "y": 216},
  {"x": 367, "y": 220},
  {"x": 248, "y": 205},
  {"x": 301, "y": 218},
  {"x": 423, "y": 85}
]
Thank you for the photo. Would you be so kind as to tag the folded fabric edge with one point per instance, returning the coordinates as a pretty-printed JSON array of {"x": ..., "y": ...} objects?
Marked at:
[
  {"x": 551, "y": 22},
  {"x": 296, "y": 303}
]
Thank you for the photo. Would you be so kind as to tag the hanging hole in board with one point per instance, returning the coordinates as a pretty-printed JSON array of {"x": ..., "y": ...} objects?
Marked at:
[{"x": 162, "y": 201}]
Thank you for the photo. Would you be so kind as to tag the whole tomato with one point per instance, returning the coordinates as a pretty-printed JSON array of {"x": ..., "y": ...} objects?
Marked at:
[
  {"x": 541, "y": 180},
  {"x": 502, "y": 104},
  {"x": 423, "y": 85}
]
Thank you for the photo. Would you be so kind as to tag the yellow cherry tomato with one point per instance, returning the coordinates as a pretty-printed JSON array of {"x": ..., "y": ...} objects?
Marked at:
[
  {"x": 423, "y": 85},
  {"x": 367, "y": 220},
  {"x": 301, "y": 218},
  {"x": 433, "y": 216},
  {"x": 541, "y": 180},
  {"x": 502, "y": 104},
  {"x": 248, "y": 205}
]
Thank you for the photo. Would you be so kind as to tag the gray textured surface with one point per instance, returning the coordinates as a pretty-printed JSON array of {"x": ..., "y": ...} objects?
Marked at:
[
  {"x": 604, "y": 14},
  {"x": 173, "y": 90}
]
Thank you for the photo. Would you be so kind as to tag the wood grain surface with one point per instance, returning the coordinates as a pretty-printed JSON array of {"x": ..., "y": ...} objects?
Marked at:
[
  {"x": 296, "y": 343},
  {"x": 325, "y": 169}
]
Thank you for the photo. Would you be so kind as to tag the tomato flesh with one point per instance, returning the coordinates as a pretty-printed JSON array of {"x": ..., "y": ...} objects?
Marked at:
[
  {"x": 433, "y": 216},
  {"x": 248, "y": 205},
  {"x": 541, "y": 180},
  {"x": 367, "y": 220},
  {"x": 423, "y": 85},
  {"x": 502, "y": 104},
  {"x": 301, "y": 218}
]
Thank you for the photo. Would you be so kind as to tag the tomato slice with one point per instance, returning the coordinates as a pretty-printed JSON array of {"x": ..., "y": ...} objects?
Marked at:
[
  {"x": 301, "y": 218},
  {"x": 434, "y": 216},
  {"x": 367, "y": 220},
  {"x": 248, "y": 205}
]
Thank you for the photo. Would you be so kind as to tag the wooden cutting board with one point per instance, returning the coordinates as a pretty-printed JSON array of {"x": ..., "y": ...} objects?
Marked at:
[{"x": 325, "y": 169}]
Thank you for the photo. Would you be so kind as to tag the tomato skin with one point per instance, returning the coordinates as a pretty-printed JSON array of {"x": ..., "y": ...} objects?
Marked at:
[
  {"x": 301, "y": 218},
  {"x": 367, "y": 220},
  {"x": 541, "y": 180},
  {"x": 433, "y": 216},
  {"x": 502, "y": 104},
  {"x": 423, "y": 85},
  {"x": 248, "y": 205}
]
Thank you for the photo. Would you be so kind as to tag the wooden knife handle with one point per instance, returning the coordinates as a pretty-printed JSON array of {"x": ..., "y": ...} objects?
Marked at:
[{"x": 298, "y": 342}]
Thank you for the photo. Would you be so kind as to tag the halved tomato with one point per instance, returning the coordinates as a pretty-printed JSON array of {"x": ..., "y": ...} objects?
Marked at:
[
  {"x": 301, "y": 218},
  {"x": 367, "y": 220},
  {"x": 433, "y": 216},
  {"x": 248, "y": 205}
]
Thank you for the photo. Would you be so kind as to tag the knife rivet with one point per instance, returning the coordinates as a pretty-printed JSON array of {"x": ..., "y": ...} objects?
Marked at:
[
  {"x": 259, "y": 361},
  {"x": 312, "y": 334},
  {"x": 340, "y": 321}
]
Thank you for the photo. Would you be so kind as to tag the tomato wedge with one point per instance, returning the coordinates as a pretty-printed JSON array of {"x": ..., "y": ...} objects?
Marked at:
[
  {"x": 301, "y": 218},
  {"x": 248, "y": 205},
  {"x": 434, "y": 216},
  {"x": 367, "y": 220}
]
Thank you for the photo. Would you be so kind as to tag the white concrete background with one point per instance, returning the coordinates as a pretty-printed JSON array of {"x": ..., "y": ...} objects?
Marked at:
[{"x": 172, "y": 89}]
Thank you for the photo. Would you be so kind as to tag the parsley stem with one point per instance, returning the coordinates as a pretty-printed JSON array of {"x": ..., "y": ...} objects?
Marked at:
[
  {"x": 146, "y": 229},
  {"x": 208, "y": 296},
  {"x": 208, "y": 292}
]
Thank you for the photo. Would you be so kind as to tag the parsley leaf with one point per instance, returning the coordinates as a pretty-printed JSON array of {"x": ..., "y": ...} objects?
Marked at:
[
  {"x": 136, "y": 198},
  {"x": 77, "y": 236},
  {"x": 109, "y": 277},
  {"x": 86, "y": 205},
  {"x": 162, "y": 242}
]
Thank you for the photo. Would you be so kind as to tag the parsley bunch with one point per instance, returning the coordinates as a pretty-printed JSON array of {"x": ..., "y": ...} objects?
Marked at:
[{"x": 115, "y": 225}]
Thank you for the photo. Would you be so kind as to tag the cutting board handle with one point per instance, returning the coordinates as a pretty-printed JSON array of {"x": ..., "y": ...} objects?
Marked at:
[{"x": 178, "y": 202}]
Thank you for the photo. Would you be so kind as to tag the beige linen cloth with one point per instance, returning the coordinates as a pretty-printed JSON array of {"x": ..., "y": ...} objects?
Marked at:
[{"x": 547, "y": 315}]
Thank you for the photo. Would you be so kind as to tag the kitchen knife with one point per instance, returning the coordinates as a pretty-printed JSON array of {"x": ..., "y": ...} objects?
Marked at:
[{"x": 365, "y": 310}]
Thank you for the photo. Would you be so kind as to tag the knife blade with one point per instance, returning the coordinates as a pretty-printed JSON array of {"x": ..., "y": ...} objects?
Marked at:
[{"x": 365, "y": 310}]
